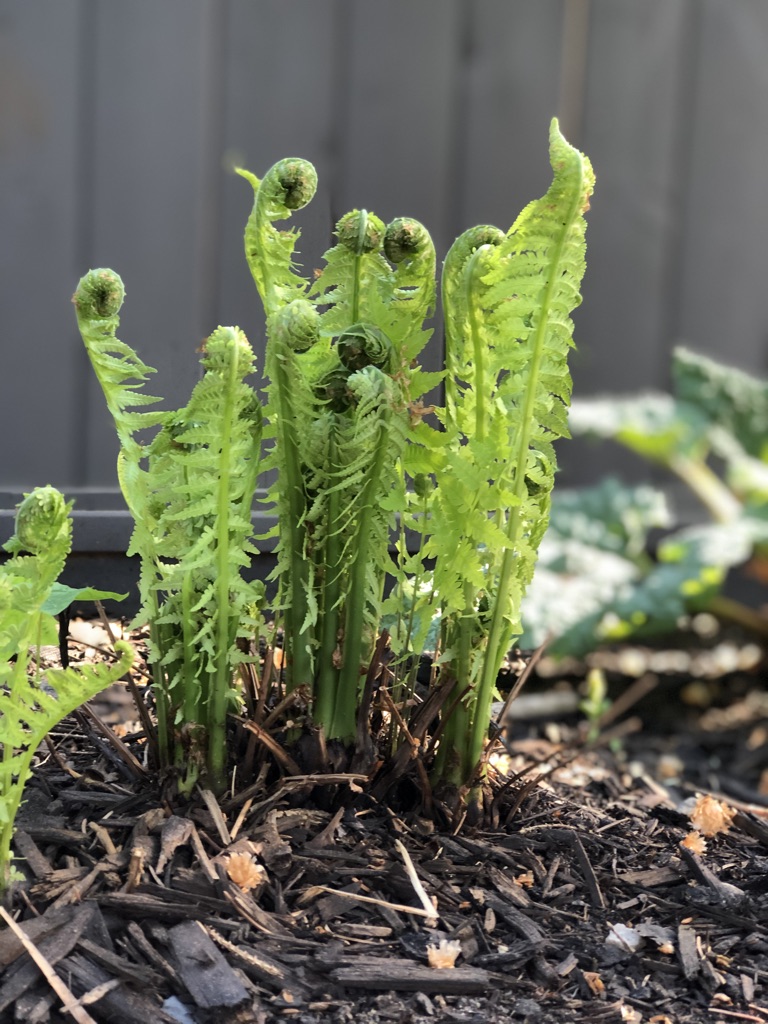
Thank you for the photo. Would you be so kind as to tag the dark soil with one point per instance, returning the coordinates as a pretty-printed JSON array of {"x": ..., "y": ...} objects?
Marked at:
[{"x": 297, "y": 899}]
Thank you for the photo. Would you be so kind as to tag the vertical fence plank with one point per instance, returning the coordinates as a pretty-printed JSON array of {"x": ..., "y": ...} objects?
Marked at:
[
  {"x": 278, "y": 102},
  {"x": 39, "y": 86},
  {"x": 400, "y": 69},
  {"x": 637, "y": 96},
  {"x": 511, "y": 68},
  {"x": 723, "y": 294},
  {"x": 398, "y": 118},
  {"x": 147, "y": 204}
]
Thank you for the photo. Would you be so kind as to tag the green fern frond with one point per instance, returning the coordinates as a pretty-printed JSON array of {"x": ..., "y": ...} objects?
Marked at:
[
  {"x": 119, "y": 370},
  {"x": 507, "y": 301}
]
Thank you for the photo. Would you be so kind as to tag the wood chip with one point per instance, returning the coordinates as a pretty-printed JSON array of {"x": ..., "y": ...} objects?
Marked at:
[
  {"x": 407, "y": 976},
  {"x": 211, "y": 982}
]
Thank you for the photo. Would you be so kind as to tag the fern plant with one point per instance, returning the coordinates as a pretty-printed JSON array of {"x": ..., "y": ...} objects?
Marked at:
[
  {"x": 30, "y": 704},
  {"x": 355, "y": 458}
]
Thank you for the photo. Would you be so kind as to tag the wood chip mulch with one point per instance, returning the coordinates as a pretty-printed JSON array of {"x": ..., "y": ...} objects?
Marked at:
[{"x": 305, "y": 900}]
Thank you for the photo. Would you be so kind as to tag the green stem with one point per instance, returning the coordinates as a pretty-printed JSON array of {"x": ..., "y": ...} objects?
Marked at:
[
  {"x": 328, "y": 673},
  {"x": 298, "y": 666},
  {"x": 217, "y": 727},
  {"x": 192, "y": 712},
  {"x": 718, "y": 499},
  {"x": 358, "y": 266},
  {"x": 162, "y": 703},
  {"x": 451, "y": 766},
  {"x": 481, "y": 386},
  {"x": 344, "y": 723}
]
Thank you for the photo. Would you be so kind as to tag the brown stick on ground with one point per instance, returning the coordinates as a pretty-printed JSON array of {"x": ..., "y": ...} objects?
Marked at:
[{"x": 364, "y": 753}]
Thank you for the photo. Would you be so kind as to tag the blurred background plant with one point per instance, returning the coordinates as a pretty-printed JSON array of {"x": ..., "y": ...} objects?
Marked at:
[{"x": 599, "y": 578}]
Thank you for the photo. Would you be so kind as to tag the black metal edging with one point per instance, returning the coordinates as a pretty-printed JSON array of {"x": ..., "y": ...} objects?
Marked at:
[{"x": 104, "y": 528}]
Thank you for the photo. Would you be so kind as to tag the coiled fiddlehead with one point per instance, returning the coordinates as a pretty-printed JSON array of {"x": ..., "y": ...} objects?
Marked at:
[
  {"x": 288, "y": 186},
  {"x": 405, "y": 239},
  {"x": 42, "y": 522},
  {"x": 364, "y": 345}
]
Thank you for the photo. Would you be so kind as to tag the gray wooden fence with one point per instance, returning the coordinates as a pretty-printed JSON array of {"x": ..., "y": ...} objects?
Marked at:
[{"x": 119, "y": 120}]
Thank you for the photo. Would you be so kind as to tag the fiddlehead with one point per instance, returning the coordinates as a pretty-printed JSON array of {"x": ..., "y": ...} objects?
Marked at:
[
  {"x": 465, "y": 334},
  {"x": 408, "y": 245},
  {"x": 368, "y": 451},
  {"x": 42, "y": 523},
  {"x": 364, "y": 345},
  {"x": 406, "y": 239},
  {"x": 121, "y": 375},
  {"x": 28, "y": 710},
  {"x": 288, "y": 186},
  {"x": 119, "y": 370},
  {"x": 360, "y": 232},
  {"x": 348, "y": 282},
  {"x": 291, "y": 406}
]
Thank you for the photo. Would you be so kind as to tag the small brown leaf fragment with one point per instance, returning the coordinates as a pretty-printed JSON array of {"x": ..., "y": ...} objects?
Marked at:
[
  {"x": 244, "y": 871},
  {"x": 525, "y": 879},
  {"x": 694, "y": 842},
  {"x": 710, "y": 816},
  {"x": 595, "y": 983},
  {"x": 444, "y": 955}
]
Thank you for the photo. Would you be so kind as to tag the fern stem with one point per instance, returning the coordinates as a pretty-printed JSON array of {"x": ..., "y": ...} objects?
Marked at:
[
  {"x": 328, "y": 673},
  {"x": 452, "y": 766},
  {"x": 298, "y": 665},
  {"x": 716, "y": 497},
  {"x": 192, "y": 711},
  {"x": 162, "y": 703},
  {"x": 217, "y": 726},
  {"x": 343, "y": 726},
  {"x": 354, "y": 311},
  {"x": 480, "y": 385}
]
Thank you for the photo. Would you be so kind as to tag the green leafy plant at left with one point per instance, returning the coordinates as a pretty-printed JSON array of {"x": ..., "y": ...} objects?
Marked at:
[{"x": 30, "y": 705}]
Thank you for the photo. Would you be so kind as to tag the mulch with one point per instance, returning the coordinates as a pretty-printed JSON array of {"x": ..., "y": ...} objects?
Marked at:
[{"x": 299, "y": 898}]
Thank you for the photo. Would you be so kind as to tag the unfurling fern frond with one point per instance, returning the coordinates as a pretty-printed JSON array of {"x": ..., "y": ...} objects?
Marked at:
[
  {"x": 366, "y": 446},
  {"x": 508, "y": 302},
  {"x": 204, "y": 465},
  {"x": 121, "y": 374},
  {"x": 119, "y": 370},
  {"x": 354, "y": 273},
  {"x": 288, "y": 186}
]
